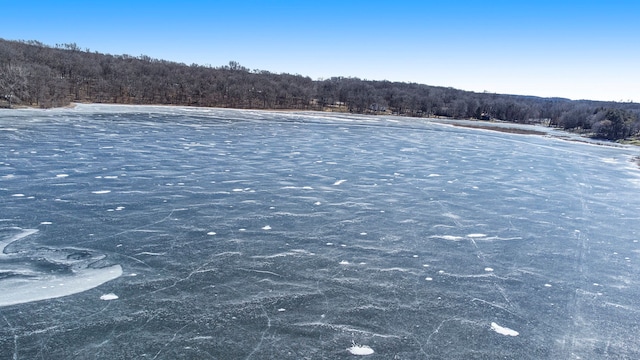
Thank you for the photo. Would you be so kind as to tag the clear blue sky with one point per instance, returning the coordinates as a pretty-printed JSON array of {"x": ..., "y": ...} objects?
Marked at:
[{"x": 576, "y": 49}]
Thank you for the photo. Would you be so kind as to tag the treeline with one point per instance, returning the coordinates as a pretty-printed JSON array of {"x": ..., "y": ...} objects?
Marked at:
[{"x": 34, "y": 74}]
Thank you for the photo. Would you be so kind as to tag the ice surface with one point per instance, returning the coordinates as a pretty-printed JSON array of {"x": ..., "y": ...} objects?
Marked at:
[{"x": 234, "y": 234}]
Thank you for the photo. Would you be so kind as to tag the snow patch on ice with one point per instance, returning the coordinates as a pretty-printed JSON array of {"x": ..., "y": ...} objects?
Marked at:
[
  {"x": 447, "y": 237},
  {"x": 360, "y": 350},
  {"x": 109, "y": 296},
  {"x": 152, "y": 253},
  {"x": 503, "y": 330},
  {"x": 476, "y": 235}
]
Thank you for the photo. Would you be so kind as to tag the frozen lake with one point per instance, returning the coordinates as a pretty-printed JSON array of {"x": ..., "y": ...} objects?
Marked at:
[{"x": 168, "y": 233}]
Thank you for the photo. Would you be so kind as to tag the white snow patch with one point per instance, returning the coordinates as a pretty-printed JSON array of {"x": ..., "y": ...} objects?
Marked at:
[
  {"x": 266, "y": 227},
  {"x": 282, "y": 310},
  {"x": 344, "y": 262},
  {"x": 428, "y": 278},
  {"x": 488, "y": 269},
  {"x": 151, "y": 253},
  {"x": 360, "y": 350},
  {"x": 46, "y": 223},
  {"x": 476, "y": 235},
  {"x": 211, "y": 233},
  {"x": 447, "y": 237},
  {"x": 503, "y": 330},
  {"x": 547, "y": 285},
  {"x": 109, "y": 296}
]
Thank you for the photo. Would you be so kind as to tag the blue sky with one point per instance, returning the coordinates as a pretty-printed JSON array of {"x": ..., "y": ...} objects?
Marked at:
[{"x": 574, "y": 49}]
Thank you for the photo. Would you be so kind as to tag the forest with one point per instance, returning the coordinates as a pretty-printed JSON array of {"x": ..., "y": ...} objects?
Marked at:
[{"x": 38, "y": 75}]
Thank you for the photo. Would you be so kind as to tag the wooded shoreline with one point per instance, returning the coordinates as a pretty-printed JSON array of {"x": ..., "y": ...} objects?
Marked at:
[{"x": 34, "y": 74}]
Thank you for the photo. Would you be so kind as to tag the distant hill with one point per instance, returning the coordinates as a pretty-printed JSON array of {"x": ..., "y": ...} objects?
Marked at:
[{"x": 35, "y": 74}]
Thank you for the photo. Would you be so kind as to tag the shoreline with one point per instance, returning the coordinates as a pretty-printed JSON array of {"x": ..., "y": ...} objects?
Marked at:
[{"x": 512, "y": 128}]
